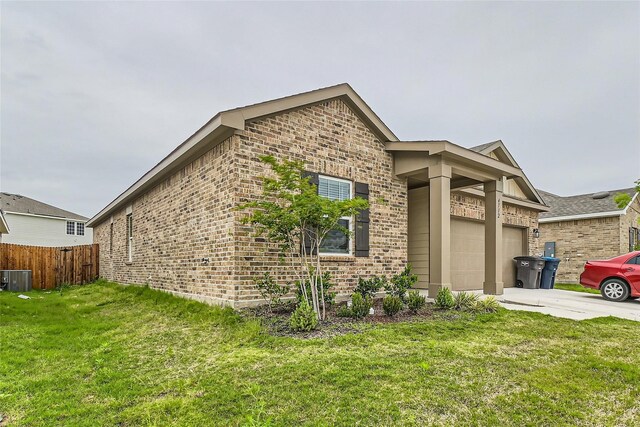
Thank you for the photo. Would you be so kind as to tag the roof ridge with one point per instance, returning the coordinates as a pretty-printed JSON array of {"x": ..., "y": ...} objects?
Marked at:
[{"x": 612, "y": 192}]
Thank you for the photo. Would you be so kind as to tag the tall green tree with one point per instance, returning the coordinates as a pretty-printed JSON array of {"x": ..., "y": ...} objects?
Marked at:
[{"x": 290, "y": 210}]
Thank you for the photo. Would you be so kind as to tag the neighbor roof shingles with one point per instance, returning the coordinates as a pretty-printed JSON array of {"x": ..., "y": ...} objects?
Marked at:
[
  {"x": 581, "y": 204},
  {"x": 21, "y": 204}
]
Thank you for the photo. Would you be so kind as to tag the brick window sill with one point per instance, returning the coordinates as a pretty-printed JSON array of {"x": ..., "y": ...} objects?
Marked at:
[{"x": 330, "y": 258}]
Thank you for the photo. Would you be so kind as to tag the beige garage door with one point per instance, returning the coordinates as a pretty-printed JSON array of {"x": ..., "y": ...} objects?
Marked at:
[{"x": 467, "y": 253}]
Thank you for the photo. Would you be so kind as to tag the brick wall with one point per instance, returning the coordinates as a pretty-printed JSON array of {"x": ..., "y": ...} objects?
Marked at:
[
  {"x": 331, "y": 140},
  {"x": 629, "y": 220},
  {"x": 176, "y": 224},
  {"x": 579, "y": 241}
]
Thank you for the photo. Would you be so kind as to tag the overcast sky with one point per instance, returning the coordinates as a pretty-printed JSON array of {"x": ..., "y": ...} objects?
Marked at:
[{"x": 95, "y": 94}]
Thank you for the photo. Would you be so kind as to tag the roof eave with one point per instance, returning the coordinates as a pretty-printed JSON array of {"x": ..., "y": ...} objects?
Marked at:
[
  {"x": 219, "y": 128},
  {"x": 446, "y": 148},
  {"x": 225, "y": 123},
  {"x": 633, "y": 199},
  {"x": 580, "y": 216}
]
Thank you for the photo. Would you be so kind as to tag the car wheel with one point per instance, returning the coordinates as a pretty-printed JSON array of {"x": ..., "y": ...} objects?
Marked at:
[{"x": 614, "y": 290}]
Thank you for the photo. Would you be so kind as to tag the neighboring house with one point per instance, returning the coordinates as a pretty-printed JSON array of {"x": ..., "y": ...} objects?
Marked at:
[
  {"x": 4, "y": 227},
  {"x": 587, "y": 227},
  {"x": 35, "y": 223},
  {"x": 177, "y": 228}
]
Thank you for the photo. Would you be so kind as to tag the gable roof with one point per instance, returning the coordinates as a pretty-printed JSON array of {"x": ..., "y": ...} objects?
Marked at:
[
  {"x": 500, "y": 151},
  {"x": 582, "y": 206},
  {"x": 15, "y": 203},
  {"x": 225, "y": 123}
]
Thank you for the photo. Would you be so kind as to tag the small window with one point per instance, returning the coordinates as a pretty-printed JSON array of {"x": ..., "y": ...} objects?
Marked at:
[
  {"x": 111, "y": 238},
  {"x": 336, "y": 242},
  {"x": 80, "y": 228},
  {"x": 71, "y": 227},
  {"x": 129, "y": 237}
]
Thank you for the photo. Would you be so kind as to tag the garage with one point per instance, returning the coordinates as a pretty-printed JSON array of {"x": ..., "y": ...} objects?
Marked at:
[{"x": 467, "y": 253}]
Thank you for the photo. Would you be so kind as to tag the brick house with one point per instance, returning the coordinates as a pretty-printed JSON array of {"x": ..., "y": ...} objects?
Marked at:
[
  {"x": 588, "y": 227},
  {"x": 177, "y": 230}
]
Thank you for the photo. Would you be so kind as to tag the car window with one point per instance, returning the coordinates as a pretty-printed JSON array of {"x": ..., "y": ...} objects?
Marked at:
[{"x": 634, "y": 260}]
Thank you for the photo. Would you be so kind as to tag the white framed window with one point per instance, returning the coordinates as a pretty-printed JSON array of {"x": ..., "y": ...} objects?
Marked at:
[
  {"x": 80, "y": 228},
  {"x": 336, "y": 242},
  {"x": 71, "y": 227},
  {"x": 129, "y": 237}
]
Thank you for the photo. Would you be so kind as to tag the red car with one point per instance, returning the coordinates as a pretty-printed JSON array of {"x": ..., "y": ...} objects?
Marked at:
[{"x": 617, "y": 278}]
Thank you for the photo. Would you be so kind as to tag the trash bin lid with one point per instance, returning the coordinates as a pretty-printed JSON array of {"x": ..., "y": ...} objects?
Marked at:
[
  {"x": 528, "y": 258},
  {"x": 550, "y": 258}
]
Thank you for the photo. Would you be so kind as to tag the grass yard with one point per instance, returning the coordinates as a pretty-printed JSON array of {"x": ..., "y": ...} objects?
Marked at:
[
  {"x": 104, "y": 354},
  {"x": 576, "y": 288}
]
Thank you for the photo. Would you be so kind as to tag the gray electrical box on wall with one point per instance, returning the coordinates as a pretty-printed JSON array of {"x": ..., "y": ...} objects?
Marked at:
[
  {"x": 550, "y": 249},
  {"x": 15, "y": 280}
]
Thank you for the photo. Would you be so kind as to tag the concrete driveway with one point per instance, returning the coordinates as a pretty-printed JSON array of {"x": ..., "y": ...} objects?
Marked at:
[{"x": 568, "y": 304}]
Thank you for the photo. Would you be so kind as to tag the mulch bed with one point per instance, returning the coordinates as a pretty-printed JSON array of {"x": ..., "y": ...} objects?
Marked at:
[{"x": 277, "y": 322}]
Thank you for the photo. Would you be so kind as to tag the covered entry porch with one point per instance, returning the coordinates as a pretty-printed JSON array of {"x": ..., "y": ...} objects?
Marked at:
[{"x": 446, "y": 249}]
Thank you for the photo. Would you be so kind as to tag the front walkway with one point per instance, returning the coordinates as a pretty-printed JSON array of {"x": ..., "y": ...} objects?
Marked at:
[{"x": 568, "y": 304}]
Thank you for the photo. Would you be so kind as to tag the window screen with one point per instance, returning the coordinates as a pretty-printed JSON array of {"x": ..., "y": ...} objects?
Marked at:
[{"x": 334, "y": 189}]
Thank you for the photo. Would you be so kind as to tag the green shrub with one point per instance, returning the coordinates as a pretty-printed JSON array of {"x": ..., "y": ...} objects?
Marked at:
[
  {"x": 444, "y": 299},
  {"x": 360, "y": 306},
  {"x": 303, "y": 318},
  {"x": 391, "y": 304},
  {"x": 400, "y": 283},
  {"x": 369, "y": 287},
  {"x": 329, "y": 296},
  {"x": 486, "y": 305},
  {"x": 465, "y": 301},
  {"x": 270, "y": 290},
  {"x": 415, "y": 301},
  {"x": 344, "y": 311}
]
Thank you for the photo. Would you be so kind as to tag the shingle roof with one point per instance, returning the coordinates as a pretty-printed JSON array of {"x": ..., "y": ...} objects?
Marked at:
[
  {"x": 582, "y": 204},
  {"x": 21, "y": 204}
]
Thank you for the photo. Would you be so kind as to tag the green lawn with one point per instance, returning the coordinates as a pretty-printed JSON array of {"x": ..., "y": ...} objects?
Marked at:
[
  {"x": 103, "y": 354},
  {"x": 576, "y": 288}
]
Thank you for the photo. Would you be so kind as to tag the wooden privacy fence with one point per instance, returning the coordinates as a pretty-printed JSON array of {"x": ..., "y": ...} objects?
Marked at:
[{"x": 51, "y": 267}]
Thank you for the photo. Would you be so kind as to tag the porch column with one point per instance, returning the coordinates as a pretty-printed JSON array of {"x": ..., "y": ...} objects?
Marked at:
[
  {"x": 439, "y": 228},
  {"x": 493, "y": 238}
]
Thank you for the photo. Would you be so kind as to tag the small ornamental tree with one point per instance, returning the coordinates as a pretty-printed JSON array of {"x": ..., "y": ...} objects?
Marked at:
[{"x": 290, "y": 210}]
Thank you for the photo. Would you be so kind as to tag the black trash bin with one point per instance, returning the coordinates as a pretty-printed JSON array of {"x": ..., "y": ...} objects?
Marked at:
[
  {"x": 529, "y": 271},
  {"x": 548, "y": 278}
]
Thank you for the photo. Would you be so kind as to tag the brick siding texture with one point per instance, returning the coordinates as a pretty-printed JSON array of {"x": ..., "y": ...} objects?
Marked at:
[
  {"x": 581, "y": 240},
  {"x": 331, "y": 140},
  {"x": 627, "y": 221},
  {"x": 181, "y": 221}
]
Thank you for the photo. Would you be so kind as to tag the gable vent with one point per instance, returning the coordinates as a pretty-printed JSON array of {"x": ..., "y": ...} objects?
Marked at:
[{"x": 600, "y": 195}]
